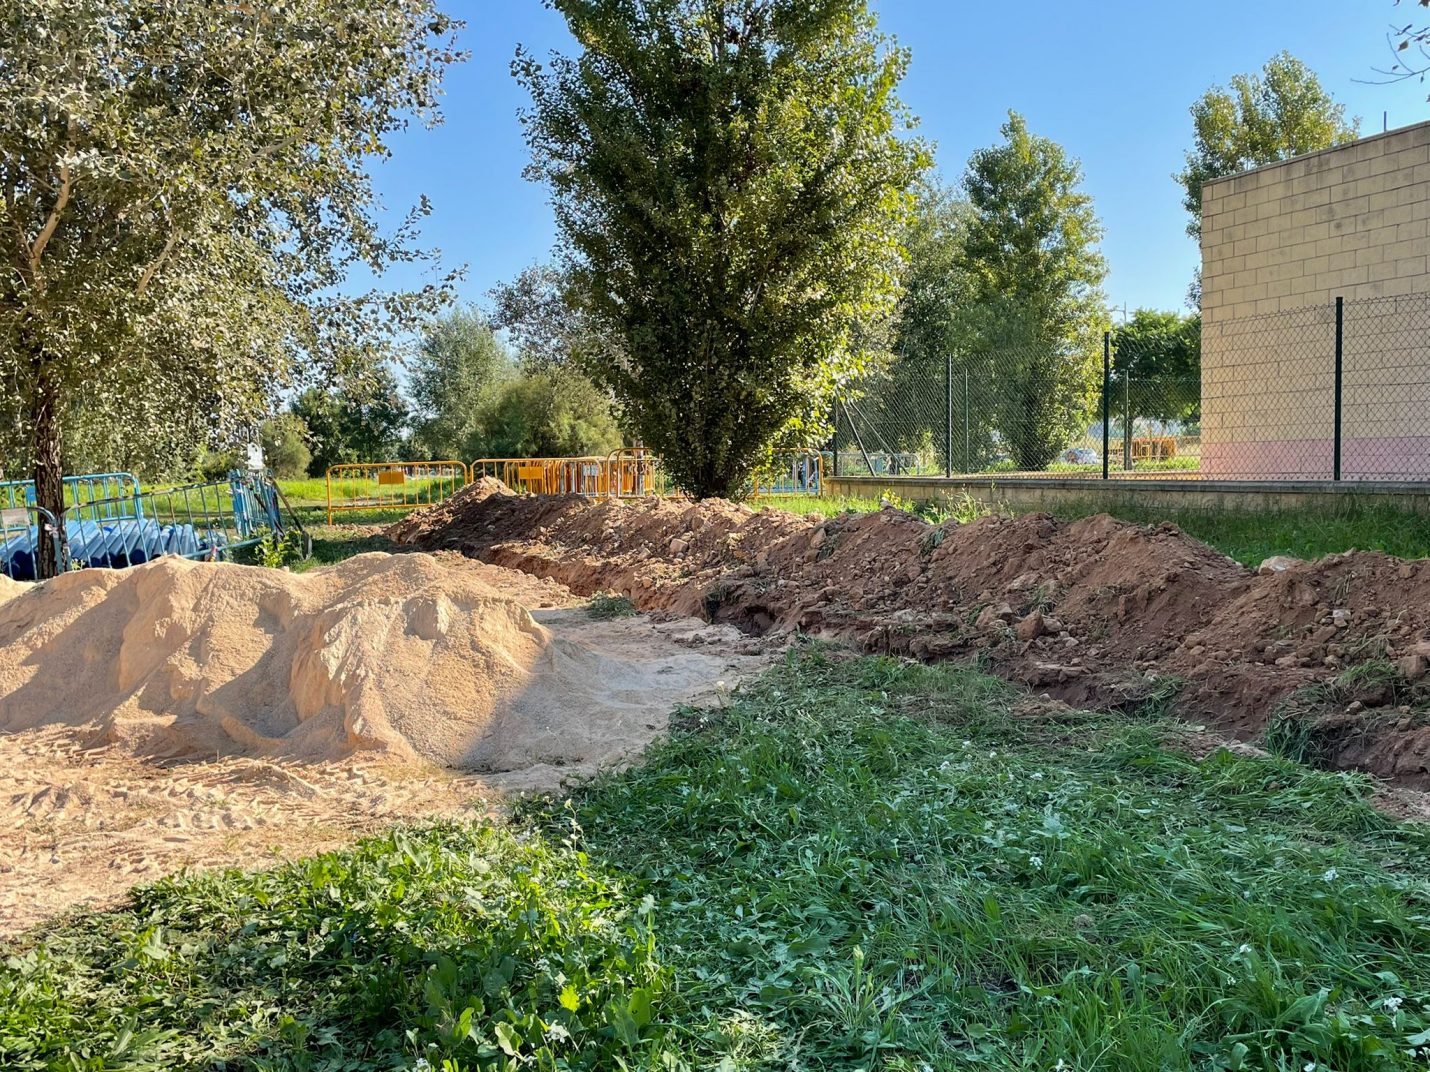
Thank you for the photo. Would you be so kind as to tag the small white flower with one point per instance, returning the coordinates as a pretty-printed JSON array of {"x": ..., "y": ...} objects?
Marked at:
[
  {"x": 992, "y": 755},
  {"x": 1059, "y": 1066},
  {"x": 1037, "y": 776},
  {"x": 1309, "y": 1066},
  {"x": 1035, "y": 861},
  {"x": 1393, "y": 1004},
  {"x": 1330, "y": 875},
  {"x": 422, "y": 1065},
  {"x": 1245, "y": 949}
]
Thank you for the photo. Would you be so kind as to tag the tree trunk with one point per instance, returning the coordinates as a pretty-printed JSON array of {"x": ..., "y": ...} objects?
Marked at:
[{"x": 46, "y": 442}]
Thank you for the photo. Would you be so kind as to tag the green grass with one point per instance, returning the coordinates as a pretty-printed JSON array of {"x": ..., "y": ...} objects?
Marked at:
[
  {"x": 856, "y": 864},
  {"x": 1249, "y": 536},
  {"x": 824, "y": 505}
]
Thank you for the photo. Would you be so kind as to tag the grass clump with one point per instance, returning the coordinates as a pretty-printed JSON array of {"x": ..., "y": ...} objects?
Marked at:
[
  {"x": 605, "y": 606},
  {"x": 854, "y": 864},
  {"x": 450, "y": 948}
]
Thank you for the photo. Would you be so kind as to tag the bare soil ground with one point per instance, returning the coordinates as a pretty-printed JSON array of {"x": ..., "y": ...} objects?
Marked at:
[
  {"x": 1098, "y": 611},
  {"x": 187, "y": 715}
]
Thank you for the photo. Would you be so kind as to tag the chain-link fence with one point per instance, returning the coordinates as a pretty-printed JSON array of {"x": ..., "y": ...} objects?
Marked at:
[{"x": 1332, "y": 392}]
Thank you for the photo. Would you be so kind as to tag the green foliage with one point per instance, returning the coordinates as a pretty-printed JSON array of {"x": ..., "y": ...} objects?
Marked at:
[
  {"x": 1035, "y": 316},
  {"x": 854, "y": 863},
  {"x": 872, "y": 864},
  {"x": 357, "y": 423},
  {"x": 1159, "y": 355},
  {"x": 729, "y": 183},
  {"x": 1281, "y": 112},
  {"x": 284, "y": 439},
  {"x": 545, "y": 323},
  {"x": 276, "y": 551},
  {"x": 458, "y": 366},
  {"x": 549, "y": 413},
  {"x": 469, "y": 945},
  {"x": 185, "y": 195},
  {"x": 476, "y": 401},
  {"x": 904, "y": 405},
  {"x": 607, "y": 605}
]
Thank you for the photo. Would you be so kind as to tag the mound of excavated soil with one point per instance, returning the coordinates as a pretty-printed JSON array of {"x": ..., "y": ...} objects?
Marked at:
[
  {"x": 407, "y": 655},
  {"x": 1093, "y": 611}
]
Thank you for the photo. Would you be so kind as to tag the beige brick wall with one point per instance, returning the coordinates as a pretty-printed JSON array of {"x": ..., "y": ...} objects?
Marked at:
[{"x": 1279, "y": 245}]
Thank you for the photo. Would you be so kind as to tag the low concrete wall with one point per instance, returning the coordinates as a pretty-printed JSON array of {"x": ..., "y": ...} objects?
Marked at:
[{"x": 1052, "y": 495}]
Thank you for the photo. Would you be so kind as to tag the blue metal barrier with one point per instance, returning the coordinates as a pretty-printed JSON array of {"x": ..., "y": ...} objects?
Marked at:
[{"x": 207, "y": 520}]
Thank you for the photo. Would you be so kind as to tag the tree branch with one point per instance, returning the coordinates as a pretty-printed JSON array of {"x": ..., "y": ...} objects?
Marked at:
[
  {"x": 37, "y": 248},
  {"x": 158, "y": 262}
]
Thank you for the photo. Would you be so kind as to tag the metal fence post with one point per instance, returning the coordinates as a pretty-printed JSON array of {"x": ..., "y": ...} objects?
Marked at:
[
  {"x": 1340, "y": 350},
  {"x": 1126, "y": 423},
  {"x": 948, "y": 415},
  {"x": 967, "y": 430},
  {"x": 834, "y": 442},
  {"x": 1106, "y": 399}
]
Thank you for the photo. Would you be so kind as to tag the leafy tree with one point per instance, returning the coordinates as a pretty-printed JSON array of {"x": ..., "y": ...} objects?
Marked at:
[
  {"x": 906, "y": 403},
  {"x": 548, "y": 413},
  {"x": 1159, "y": 356},
  {"x": 545, "y": 322},
  {"x": 458, "y": 367},
  {"x": 729, "y": 183},
  {"x": 354, "y": 424},
  {"x": 1033, "y": 324},
  {"x": 284, "y": 439},
  {"x": 1261, "y": 118},
  {"x": 475, "y": 400},
  {"x": 184, "y": 192}
]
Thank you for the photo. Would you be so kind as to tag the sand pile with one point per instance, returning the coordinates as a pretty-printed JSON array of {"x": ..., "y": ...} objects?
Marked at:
[
  {"x": 183, "y": 714},
  {"x": 406, "y": 655},
  {"x": 1093, "y": 611}
]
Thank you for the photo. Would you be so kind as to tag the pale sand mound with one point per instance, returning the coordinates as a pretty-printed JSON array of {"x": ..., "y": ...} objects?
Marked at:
[
  {"x": 10, "y": 589},
  {"x": 407, "y": 655},
  {"x": 183, "y": 714}
]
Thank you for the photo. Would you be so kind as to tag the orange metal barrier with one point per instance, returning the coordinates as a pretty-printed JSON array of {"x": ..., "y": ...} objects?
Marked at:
[
  {"x": 634, "y": 473},
  {"x": 546, "y": 476},
  {"x": 637, "y": 473},
  {"x": 392, "y": 485},
  {"x": 1153, "y": 448}
]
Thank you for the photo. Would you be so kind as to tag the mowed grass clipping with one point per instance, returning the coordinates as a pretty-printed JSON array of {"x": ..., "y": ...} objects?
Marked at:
[{"x": 856, "y": 864}]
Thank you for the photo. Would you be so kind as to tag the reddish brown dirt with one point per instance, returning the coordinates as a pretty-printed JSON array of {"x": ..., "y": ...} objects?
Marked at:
[{"x": 1097, "y": 611}]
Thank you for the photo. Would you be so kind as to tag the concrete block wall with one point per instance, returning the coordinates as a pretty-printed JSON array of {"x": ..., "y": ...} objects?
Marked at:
[{"x": 1279, "y": 245}]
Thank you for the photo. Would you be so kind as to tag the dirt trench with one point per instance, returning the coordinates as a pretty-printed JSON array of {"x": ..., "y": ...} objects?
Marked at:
[{"x": 1097, "y": 612}]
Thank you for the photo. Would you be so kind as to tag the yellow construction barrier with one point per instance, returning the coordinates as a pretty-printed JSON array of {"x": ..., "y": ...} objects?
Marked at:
[
  {"x": 1153, "y": 448},
  {"x": 392, "y": 485},
  {"x": 546, "y": 476},
  {"x": 636, "y": 473}
]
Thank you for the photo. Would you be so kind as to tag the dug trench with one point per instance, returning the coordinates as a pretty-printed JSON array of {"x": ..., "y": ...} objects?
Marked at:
[{"x": 1326, "y": 658}]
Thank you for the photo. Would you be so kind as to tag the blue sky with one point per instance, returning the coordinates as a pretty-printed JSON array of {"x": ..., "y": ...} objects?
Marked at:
[{"x": 1111, "y": 80}]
